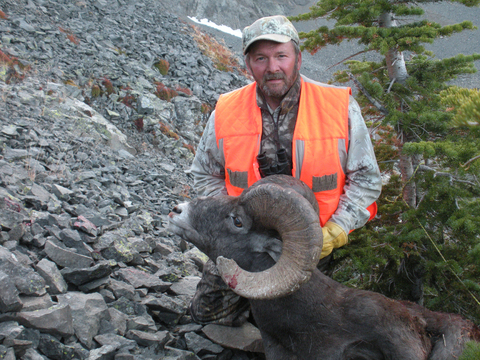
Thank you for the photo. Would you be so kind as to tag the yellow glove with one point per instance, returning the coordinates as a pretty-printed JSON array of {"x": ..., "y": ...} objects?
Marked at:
[{"x": 333, "y": 237}]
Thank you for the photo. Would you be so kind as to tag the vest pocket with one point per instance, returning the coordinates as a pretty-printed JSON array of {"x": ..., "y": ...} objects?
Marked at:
[
  {"x": 324, "y": 183},
  {"x": 238, "y": 178}
]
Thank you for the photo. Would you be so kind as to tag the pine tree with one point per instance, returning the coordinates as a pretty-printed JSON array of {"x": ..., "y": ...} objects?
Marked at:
[{"x": 425, "y": 244}]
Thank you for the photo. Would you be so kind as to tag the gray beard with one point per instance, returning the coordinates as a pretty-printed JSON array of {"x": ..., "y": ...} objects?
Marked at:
[{"x": 280, "y": 93}]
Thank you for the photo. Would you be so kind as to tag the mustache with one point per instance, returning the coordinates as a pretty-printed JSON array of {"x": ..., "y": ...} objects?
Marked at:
[{"x": 274, "y": 76}]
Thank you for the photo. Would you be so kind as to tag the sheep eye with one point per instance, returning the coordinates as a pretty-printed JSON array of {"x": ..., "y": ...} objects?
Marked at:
[{"x": 237, "y": 222}]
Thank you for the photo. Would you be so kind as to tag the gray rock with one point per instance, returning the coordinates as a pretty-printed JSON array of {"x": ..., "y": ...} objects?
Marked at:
[
  {"x": 7, "y": 353},
  {"x": 9, "y": 329},
  {"x": 61, "y": 192},
  {"x": 54, "y": 320},
  {"x": 51, "y": 347},
  {"x": 80, "y": 276},
  {"x": 185, "y": 286},
  {"x": 25, "y": 279},
  {"x": 25, "y": 26},
  {"x": 138, "y": 279},
  {"x": 246, "y": 337},
  {"x": 52, "y": 276},
  {"x": 119, "y": 321},
  {"x": 168, "y": 309},
  {"x": 117, "y": 341},
  {"x": 201, "y": 346},
  {"x": 87, "y": 310},
  {"x": 9, "y": 299},
  {"x": 120, "y": 288},
  {"x": 87, "y": 226},
  {"x": 40, "y": 192},
  {"x": 32, "y": 303},
  {"x": 66, "y": 258},
  {"x": 32, "y": 354},
  {"x": 143, "y": 338},
  {"x": 143, "y": 323},
  {"x": 94, "y": 285},
  {"x": 15, "y": 154}
]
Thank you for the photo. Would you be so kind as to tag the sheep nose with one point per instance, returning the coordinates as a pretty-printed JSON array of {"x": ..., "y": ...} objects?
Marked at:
[{"x": 177, "y": 210}]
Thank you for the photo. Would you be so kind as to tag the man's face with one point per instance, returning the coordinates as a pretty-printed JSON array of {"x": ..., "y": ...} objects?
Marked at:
[{"x": 275, "y": 67}]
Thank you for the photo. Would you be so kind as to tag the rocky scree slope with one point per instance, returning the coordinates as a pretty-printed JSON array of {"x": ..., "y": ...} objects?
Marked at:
[
  {"x": 95, "y": 146},
  {"x": 235, "y": 13}
]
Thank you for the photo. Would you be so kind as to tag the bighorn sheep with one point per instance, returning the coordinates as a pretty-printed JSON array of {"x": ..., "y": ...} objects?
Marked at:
[{"x": 320, "y": 318}]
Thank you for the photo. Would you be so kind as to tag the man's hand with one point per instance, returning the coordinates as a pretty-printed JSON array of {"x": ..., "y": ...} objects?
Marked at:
[{"x": 333, "y": 237}]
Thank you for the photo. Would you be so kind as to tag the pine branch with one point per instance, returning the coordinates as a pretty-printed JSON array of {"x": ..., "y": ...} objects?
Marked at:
[
  {"x": 469, "y": 161},
  {"x": 360, "y": 87},
  {"x": 391, "y": 84},
  {"x": 439, "y": 173},
  {"x": 349, "y": 57}
]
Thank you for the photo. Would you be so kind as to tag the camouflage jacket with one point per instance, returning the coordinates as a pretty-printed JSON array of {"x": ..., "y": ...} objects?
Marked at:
[{"x": 363, "y": 180}]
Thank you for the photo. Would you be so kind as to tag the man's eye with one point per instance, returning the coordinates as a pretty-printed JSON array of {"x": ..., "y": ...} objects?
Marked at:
[{"x": 237, "y": 222}]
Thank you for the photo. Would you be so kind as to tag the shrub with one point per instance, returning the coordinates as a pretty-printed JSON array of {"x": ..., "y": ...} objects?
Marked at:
[
  {"x": 138, "y": 124},
  {"x": 471, "y": 352},
  {"x": 181, "y": 89},
  {"x": 70, "y": 35},
  {"x": 205, "y": 108},
  {"x": 165, "y": 93},
  {"x": 15, "y": 70},
  {"x": 223, "y": 59},
  {"x": 96, "y": 91},
  {"x": 165, "y": 129},
  {"x": 190, "y": 148},
  {"x": 128, "y": 100},
  {"x": 108, "y": 86},
  {"x": 162, "y": 66}
]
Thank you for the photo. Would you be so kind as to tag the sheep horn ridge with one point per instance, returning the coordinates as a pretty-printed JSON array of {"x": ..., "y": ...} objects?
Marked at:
[{"x": 297, "y": 222}]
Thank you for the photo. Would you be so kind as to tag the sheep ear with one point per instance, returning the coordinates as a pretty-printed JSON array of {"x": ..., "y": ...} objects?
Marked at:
[
  {"x": 270, "y": 246},
  {"x": 298, "y": 225}
]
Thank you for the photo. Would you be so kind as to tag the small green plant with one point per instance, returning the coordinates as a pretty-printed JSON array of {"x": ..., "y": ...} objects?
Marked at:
[
  {"x": 96, "y": 91},
  {"x": 464, "y": 103},
  {"x": 205, "y": 108},
  {"x": 162, "y": 66},
  {"x": 471, "y": 351}
]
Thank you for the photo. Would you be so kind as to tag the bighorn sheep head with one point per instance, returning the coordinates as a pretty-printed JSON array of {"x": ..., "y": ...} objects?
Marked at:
[{"x": 230, "y": 229}]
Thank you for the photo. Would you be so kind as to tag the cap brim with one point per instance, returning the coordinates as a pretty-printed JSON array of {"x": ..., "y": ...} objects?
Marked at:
[{"x": 272, "y": 37}]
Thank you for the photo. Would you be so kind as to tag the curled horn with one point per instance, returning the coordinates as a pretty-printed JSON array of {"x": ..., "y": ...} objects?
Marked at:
[{"x": 294, "y": 218}]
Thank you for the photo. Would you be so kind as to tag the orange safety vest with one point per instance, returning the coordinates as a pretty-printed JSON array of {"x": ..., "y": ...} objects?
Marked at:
[{"x": 238, "y": 122}]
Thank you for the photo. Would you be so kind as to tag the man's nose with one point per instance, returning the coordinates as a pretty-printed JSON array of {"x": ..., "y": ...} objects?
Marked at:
[{"x": 273, "y": 65}]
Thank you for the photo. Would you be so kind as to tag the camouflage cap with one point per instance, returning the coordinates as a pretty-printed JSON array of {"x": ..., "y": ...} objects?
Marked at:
[{"x": 276, "y": 28}]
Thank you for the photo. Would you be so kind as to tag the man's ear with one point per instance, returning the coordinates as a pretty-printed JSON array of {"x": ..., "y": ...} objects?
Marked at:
[
  {"x": 246, "y": 59},
  {"x": 299, "y": 64}
]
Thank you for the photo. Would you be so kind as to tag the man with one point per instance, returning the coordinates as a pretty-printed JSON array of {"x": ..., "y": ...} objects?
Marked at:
[{"x": 318, "y": 128}]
